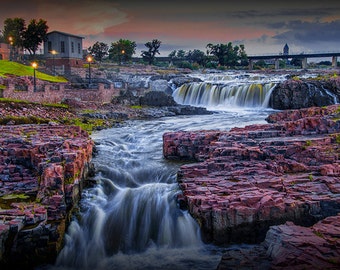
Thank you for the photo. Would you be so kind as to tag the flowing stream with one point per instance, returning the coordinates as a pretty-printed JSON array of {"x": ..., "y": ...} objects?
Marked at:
[{"x": 130, "y": 218}]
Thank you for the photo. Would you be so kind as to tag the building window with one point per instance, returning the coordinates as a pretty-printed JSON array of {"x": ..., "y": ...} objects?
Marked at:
[
  {"x": 49, "y": 45},
  {"x": 62, "y": 46},
  {"x": 79, "y": 48},
  {"x": 72, "y": 47}
]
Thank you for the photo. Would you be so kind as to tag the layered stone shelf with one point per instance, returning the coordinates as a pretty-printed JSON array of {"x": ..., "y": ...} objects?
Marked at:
[
  {"x": 41, "y": 172},
  {"x": 241, "y": 182}
]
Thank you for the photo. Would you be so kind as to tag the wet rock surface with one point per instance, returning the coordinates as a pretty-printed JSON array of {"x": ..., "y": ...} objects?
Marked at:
[
  {"x": 289, "y": 246},
  {"x": 42, "y": 168},
  {"x": 297, "y": 93},
  {"x": 248, "y": 179}
]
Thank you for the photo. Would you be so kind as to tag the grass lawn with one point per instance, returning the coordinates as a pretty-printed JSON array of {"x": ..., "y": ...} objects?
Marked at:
[{"x": 14, "y": 68}]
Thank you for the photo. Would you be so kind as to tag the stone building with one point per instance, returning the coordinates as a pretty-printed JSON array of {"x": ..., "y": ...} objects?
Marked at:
[
  {"x": 5, "y": 51},
  {"x": 63, "y": 51}
]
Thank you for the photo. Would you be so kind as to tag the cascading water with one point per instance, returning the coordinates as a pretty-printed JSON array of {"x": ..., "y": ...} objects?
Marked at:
[
  {"x": 228, "y": 91},
  {"x": 130, "y": 218},
  {"x": 210, "y": 95}
]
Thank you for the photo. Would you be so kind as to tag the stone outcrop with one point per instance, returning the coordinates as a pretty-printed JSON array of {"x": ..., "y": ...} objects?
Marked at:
[
  {"x": 251, "y": 178},
  {"x": 42, "y": 168},
  {"x": 157, "y": 99},
  {"x": 155, "y": 104},
  {"x": 17, "y": 110},
  {"x": 289, "y": 246},
  {"x": 296, "y": 94}
]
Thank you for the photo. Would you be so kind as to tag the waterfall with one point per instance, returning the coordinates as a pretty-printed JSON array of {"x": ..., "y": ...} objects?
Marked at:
[
  {"x": 130, "y": 219},
  {"x": 208, "y": 94},
  {"x": 331, "y": 95}
]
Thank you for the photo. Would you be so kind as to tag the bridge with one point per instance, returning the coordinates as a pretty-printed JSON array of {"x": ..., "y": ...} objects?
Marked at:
[{"x": 303, "y": 56}]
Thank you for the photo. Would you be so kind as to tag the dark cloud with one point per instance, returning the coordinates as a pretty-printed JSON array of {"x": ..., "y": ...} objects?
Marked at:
[
  {"x": 304, "y": 33},
  {"x": 277, "y": 25},
  {"x": 189, "y": 24},
  {"x": 298, "y": 12}
]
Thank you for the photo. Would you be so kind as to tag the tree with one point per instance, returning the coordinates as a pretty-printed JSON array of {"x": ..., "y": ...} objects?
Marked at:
[
  {"x": 13, "y": 31},
  {"x": 172, "y": 54},
  {"x": 243, "y": 56},
  {"x": 122, "y": 50},
  {"x": 227, "y": 54},
  {"x": 19, "y": 36},
  {"x": 196, "y": 56},
  {"x": 296, "y": 61},
  {"x": 261, "y": 64},
  {"x": 180, "y": 54},
  {"x": 99, "y": 50},
  {"x": 218, "y": 51},
  {"x": 34, "y": 35},
  {"x": 153, "y": 47}
]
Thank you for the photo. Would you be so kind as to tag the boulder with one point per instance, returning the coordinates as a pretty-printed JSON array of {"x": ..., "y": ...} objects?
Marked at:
[
  {"x": 157, "y": 99},
  {"x": 160, "y": 85},
  {"x": 296, "y": 94}
]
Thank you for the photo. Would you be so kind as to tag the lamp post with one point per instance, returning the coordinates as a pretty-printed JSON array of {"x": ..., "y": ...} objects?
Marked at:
[
  {"x": 35, "y": 66},
  {"x": 10, "y": 39},
  {"x": 122, "y": 56},
  {"x": 89, "y": 60},
  {"x": 53, "y": 52}
]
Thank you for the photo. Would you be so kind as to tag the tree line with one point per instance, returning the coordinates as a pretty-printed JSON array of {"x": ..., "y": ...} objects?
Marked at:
[
  {"x": 225, "y": 55},
  {"x": 19, "y": 35},
  {"x": 32, "y": 35},
  {"x": 123, "y": 50}
]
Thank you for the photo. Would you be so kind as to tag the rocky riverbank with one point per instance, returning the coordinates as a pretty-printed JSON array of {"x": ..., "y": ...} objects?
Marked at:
[
  {"x": 248, "y": 179},
  {"x": 42, "y": 168},
  {"x": 43, "y": 164}
]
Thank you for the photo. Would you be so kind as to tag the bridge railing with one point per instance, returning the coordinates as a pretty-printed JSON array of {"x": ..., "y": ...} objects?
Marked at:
[{"x": 295, "y": 53}]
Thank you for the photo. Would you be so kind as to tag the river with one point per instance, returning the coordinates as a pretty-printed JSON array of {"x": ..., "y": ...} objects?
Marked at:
[{"x": 130, "y": 218}]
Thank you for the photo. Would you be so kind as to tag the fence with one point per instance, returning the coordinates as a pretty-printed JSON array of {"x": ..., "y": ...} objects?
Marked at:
[{"x": 55, "y": 93}]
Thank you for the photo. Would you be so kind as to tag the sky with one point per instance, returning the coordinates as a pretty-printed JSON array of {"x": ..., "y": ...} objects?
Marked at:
[{"x": 264, "y": 27}]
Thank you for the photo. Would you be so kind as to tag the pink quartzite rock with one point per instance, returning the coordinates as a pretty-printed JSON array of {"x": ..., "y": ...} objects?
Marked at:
[
  {"x": 251, "y": 178},
  {"x": 41, "y": 172},
  {"x": 290, "y": 246}
]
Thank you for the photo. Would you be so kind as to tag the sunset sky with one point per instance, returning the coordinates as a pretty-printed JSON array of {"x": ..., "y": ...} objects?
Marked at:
[{"x": 262, "y": 26}]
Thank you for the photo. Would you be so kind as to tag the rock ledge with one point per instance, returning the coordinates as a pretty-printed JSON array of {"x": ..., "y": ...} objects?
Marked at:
[
  {"x": 41, "y": 173},
  {"x": 248, "y": 179}
]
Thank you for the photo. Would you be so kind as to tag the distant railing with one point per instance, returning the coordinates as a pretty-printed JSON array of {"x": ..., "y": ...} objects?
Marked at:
[
  {"x": 55, "y": 93},
  {"x": 301, "y": 55},
  {"x": 296, "y": 53}
]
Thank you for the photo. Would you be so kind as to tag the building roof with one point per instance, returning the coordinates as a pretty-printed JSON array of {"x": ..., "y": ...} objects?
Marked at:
[{"x": 65, "y": 34}]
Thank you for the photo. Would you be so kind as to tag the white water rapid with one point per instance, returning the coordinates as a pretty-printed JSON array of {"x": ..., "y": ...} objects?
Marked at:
[
  {"x": 130, "y": 219},
  {"x": 228, "y": 91}
]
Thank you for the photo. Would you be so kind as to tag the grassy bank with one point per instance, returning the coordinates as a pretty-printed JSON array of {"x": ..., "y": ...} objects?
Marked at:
[{"x": 16, "y": 69}]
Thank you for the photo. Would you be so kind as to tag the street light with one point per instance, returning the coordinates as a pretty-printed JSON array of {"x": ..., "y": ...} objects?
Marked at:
[
  {"x": 89, "y": 60},
  {"x": 10, "y": 39},
  {"x": 53, "y": 52},
  {"x": 122, "y": 56},
  {"x": 35, "y": 66}
]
